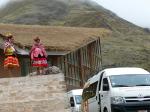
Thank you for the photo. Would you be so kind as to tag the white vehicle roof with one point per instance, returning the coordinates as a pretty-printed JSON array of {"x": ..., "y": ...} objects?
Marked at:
[
  {"x": 116, "y": 71},
  {"x": 75, "y": 92},
  {"x": 124, "y": 70}
]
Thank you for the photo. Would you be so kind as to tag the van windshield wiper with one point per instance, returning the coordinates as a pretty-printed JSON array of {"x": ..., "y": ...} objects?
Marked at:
[
  {"x": 142, "y": 85},
  {"x": 120, "y": 86}
]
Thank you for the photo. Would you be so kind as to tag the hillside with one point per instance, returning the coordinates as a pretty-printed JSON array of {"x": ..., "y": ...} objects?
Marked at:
[
  {"x": 77, "y": 13},
  {"x": 127, "y": 46}
]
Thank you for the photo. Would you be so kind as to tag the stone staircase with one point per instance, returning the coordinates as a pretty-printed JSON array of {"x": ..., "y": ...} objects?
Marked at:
[{"x": 33, "y": 94}]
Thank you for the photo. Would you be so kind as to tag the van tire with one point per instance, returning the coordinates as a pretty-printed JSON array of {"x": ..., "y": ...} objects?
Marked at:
[{"x": 105, "y": 110}]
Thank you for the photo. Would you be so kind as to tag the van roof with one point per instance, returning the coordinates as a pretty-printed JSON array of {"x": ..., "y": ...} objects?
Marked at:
[
  {"x": 125, "y": 70},
  {"x": 116, "y": 71},
  {"x": 75, "y": 92}
]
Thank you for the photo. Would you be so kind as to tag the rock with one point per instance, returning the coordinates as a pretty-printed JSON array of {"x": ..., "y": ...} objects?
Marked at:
[
  {"x": 52, "y": 70},
  {"x": 32, "y": 74}
]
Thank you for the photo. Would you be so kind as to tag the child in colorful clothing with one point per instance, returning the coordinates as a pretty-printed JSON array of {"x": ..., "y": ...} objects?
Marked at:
[
  {"x": 38, "y": 56},
  {"x": 11, "y": 60}
]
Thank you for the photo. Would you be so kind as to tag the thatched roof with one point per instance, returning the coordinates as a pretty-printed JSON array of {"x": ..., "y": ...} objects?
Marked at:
[{"x": 53, "y": 37}]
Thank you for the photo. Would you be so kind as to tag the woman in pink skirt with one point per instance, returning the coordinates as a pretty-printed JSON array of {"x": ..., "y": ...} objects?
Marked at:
[{"x": 38, "y": 56}]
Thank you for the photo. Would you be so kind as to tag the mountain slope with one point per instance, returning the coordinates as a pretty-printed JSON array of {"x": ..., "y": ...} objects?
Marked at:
[
  {"x": 64, "y": 12},
  {"x": 33, "y": 12},
  {"x": 127, "y": 46}
]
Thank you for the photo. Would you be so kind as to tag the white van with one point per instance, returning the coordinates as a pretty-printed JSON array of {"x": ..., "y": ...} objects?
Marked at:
[
  {"x": 124, "y": 89},
  {"x": 75, "y": 98}
]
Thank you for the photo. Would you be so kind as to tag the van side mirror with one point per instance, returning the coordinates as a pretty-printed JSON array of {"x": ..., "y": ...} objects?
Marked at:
[
  {"x": 72, "y": 102},
  {"x": 105, "y": 87}
]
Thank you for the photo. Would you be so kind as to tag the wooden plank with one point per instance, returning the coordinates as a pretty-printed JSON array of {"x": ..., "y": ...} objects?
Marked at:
[{"x": 80, "y": 68}]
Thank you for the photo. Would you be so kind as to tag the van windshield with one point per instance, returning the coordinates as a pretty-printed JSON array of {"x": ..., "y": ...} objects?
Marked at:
[
  {"x": 130, "y": 80},
  {"x": 78, "y": 99}
]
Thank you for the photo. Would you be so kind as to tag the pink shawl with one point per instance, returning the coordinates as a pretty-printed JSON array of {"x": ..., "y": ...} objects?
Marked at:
[{"x": 37, "y": 49}]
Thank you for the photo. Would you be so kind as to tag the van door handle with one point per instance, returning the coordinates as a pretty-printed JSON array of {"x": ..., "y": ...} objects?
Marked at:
[{"x": 101, "y": 95}]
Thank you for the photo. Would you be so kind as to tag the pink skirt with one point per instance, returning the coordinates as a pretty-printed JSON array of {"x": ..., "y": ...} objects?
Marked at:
[{"x": 39, "y": 62}]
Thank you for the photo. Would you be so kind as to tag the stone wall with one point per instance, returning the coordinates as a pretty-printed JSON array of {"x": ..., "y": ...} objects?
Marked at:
[{"x": 44, "y": 93}]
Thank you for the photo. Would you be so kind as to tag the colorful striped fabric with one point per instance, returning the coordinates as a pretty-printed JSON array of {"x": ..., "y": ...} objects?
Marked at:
[
  {"x": 39, "y": 62},
  {"x": 11, "y": 62}
]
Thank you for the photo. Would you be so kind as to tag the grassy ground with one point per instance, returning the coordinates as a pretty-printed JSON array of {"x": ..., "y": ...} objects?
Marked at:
[{"x": 128, "y": 50}]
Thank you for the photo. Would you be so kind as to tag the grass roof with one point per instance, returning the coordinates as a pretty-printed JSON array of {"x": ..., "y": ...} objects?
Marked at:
[{"x": 53, "y": 37}]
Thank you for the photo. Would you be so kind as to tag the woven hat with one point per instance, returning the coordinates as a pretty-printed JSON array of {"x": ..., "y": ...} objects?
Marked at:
[{"x": 9, "y": 35}]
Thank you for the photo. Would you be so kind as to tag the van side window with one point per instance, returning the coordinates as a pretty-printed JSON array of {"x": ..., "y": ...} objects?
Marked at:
[
  {"x": 90, "y": 91},
  {"x": 84, "y": 94},
  {"x": 93, "y": 89}
]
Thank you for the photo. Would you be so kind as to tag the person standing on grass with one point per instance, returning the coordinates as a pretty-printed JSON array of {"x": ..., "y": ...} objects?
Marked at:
[
  {"x": 38, "y": 56},
  {"x": 11, "y": 60}
]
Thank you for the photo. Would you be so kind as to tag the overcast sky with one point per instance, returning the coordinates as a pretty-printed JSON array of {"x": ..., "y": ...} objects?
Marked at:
[
  {"x": 135, "y": 11},
  {"x": 3, "y": 2}
]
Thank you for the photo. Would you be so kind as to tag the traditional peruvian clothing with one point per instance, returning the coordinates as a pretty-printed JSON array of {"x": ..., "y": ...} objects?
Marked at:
[
  {"x": 38, "y": 55},
  {"x": 11, "y": 60}
]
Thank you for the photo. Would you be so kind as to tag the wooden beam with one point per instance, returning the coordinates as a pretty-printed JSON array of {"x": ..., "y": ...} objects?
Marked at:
[{"x": 80, "y": 68}]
